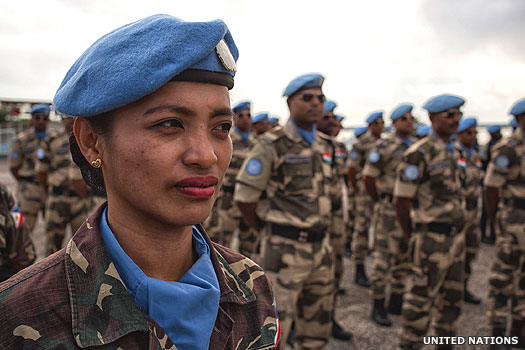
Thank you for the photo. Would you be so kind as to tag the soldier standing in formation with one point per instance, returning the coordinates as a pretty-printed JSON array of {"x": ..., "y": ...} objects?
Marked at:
[
  {"x": 363, "y": 203},
  {"x": 466, "y": 143},
  {"x": 430, "y": 172},
  {"x": 26, "y": 150},
  {"x": 287, "y": 163},
  {"x": 505, "y": 190},
  {"x": 260, "y": 124},
  {"x": 64, "y": 205},
  {"x": 390, "y": 252}
]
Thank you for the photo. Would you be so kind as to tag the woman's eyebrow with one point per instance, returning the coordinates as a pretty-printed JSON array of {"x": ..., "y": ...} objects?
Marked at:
[{"x": 170, "y": 108}]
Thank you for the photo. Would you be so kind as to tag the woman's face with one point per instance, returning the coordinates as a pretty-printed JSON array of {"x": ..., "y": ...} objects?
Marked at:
[{"x": 167, "y": 153}]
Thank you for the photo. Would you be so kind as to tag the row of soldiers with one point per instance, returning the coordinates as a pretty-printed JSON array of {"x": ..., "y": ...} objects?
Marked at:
[{"x": 293, "y": 193}]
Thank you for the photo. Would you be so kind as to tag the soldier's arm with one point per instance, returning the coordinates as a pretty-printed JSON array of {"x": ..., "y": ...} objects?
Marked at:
[
  {"x": 403, "y": 206},
  {"x": 76, "y": 181},
  {"x": 370, "y": 184},
  {"x": 372, "y": 170},
  {"x": 492, "y": 200},
  {"x": 352, "y": 172},
  {"x": 15, "y": 159}
]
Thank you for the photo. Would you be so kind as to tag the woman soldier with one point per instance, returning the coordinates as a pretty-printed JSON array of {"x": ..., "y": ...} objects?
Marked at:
[{"x": 153, "y": 115}]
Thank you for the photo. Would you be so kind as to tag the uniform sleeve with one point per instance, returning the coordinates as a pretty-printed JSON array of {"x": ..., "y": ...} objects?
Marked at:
[
  {"x": 41, "y": 167},
  {"x": 355, "y": 157},
  {"x": 374, "y": 163},
  {"x": 257, "y": 167},
  {"x": 503, "y": 159},
  {"x": 15, "y": 155},
  {"x": 409, "y": 174}
]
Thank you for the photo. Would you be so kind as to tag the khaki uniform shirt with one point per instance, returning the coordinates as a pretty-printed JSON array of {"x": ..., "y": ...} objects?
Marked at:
[
  {"x": 360, "y": 151},
  {"x": 472, "y": 186},
  {"x": 240, "y": 150},
  {"x": 57, "y": 162},
  {"x": 26, "y": 150}
]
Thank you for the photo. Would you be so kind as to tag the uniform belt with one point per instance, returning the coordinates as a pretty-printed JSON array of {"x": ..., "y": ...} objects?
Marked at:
[
  {"x": 62, "y": 191},
  {"x": 32, "y": 179},
  {"x": 302, "y": 235},
  {"x": 516, "y": 203},
  {"x": 472, "y": 204},
  {"x": 387, "y": 195},
  {"x": 228, "y": 189},
  {"x": 440, "y": 227}
]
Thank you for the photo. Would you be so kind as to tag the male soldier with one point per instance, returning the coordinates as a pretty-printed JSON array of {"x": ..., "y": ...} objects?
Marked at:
[
  {"x": 495, "y": 137},
  {"x": 390, "y": 252},
  {"x": 287, "y": 163},
  {"x": 328, "y": 126},
  {"x": 429, "y": 172},
  {"x": 363, "y": 201},
  {"x": 26, "y": 149},
  {"x": 64, "y": 205},
  {"x": 260, "y": 124},
  {"x": 16, "y": 249},
  {"x": 466, "y": 142},
  {"x": 506, "y": 177}
]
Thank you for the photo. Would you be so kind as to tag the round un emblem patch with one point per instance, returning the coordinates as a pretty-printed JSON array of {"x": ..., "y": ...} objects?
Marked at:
[
  {"x": 254, "y": 167},
  {"x": 411, "y": 172},
  {"x": 374, "y": 157},
  {"x": 40, "y": 153},
  {"x": 502, "y": 161},
  {"x": 354, "y": 155}
]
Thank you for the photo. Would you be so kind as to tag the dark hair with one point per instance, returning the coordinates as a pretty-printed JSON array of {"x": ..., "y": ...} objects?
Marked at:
[{"x": 101, "y": 125}]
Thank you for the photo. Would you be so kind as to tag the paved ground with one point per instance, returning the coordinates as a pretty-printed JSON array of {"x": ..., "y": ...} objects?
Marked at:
[{"x": 353, "y": 309}]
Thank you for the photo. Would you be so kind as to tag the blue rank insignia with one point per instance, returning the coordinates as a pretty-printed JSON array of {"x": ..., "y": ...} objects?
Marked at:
[
  {"x": 254, "y": 167},
  {"x": 411, "y": 172}
]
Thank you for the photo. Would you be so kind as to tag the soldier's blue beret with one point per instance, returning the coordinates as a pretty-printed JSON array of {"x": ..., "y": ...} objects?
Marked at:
[
  {"x": 518, "y": 107},
  {"x": 514, "y": 123},
  {"x": 373, "y": 116},
  {"x": 329, "y": 106},
  {"x": 443, "y": 102},
  {"x": 306, "y": 81},
  {"x": 339, "y": 117},
  {"x": 423, "y": 130},
  {"x": 466, "y": 123},
  {"x": 360, "y": 131},
  {"x": 400, "y": 110},
  {"x": 242, "y": 105},
  {"x": 493, "y": 128},
  {"x": 138, "y": 58},
  {"x": 259, "y": 117},
  {"x": 273, "y": 119},
  {"x": 41, "y": 108}
]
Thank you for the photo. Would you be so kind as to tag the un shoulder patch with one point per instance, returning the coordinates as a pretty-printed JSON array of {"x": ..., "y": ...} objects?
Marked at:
[
  {"x": 374, "y": 157},
  {"x": 40, "y": 154},
  {"x": 254, "y": 167},
  {"x": 354, "y": 155},
  {"x": 411, "y": 172},
  {"x": 15, "y": 155},
  {"x": 502, "y": 161}
]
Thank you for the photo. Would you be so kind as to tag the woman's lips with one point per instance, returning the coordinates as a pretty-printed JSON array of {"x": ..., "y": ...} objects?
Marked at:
[{"x": 198, "y": 187}]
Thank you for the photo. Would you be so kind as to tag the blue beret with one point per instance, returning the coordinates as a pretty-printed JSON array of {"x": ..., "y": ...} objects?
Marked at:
[
  {"x": 273, "y": 119},
  {"x": 514, "y": 123},
  {"x": 305, "y": 81},
  {"x": 339, "y": 117},
  {"x": 400, "y": 110},
  {"x": 493, "y": 128},
  {"x": 466, "y": 123},
  {"x": 259, "y": 117},
  {"x": 423, "y": 130},
  {"x": 373, "y": 116},
  {"x": 443, "y": 102},
  {"x": 138, "y": 58},
  {"x": 40, "y": 108},
  {"x": 329, "y": 106},
  {"x": 518, "y": 107},
  {"x": 360, "y": 131},
  {"x": 242, "y": 105}
]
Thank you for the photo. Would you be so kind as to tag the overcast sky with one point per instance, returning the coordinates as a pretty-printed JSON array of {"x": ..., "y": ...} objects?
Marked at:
[{"x": 374, "y": 54}]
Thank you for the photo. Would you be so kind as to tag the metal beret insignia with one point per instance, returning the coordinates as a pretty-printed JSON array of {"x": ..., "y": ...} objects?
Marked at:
[{"x": 226, "y": 56}]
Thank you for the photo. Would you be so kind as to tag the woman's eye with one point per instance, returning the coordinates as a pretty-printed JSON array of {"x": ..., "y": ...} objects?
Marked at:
[
  {"x": 171, "y": 123},
  {"x": 224, "y": 127}
]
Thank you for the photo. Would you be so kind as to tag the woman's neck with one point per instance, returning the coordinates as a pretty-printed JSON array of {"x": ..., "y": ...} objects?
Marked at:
[{"x": 161, "y": 252}]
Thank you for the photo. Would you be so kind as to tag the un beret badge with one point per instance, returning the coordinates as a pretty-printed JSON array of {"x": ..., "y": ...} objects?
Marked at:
[{"x": 226, "y": 56}]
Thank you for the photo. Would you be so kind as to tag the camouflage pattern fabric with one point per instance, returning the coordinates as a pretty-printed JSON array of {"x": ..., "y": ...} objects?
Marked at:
[
  {"x": 64, "y": 206},
  {"x": 26, "y": 149},
  {"x": 76, "y": 298},
  {"x": 430, "y": 173},
  {"x": 16, "y": 249},
  {"x": 506, "y": 171},
  {"x": 296, "y": 178},
  {"x": 390, "y": 257}
]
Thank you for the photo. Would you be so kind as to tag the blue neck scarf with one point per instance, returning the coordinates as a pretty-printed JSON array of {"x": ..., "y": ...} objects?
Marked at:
[
  {"x": 406, "y": 141},
  {"x": 245, "y": 135},
  {"x": 186, "y": 310},
  {"x": 468, "y": 150},
  {"x": 449, "y": 145},
  {"x": 308, "y": 136},
  {"x": 40, "y": 134}
]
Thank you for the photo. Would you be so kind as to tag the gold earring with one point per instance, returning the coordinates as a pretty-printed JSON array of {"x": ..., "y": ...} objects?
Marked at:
[{"x": 96, "y": 163}]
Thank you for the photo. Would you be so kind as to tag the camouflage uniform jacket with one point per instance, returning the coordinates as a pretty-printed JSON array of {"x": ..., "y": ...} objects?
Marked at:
[
  {"x": 360, "y": 151},
  {"x": 472, "y": 186},
  {"x": 16, "y": 249},
  {"x": 57, "y": 162},
  {"x": 336, "y": 157},
  {"x": 383, "y": 160},
  {"x": 75, "y": 299},
  {"x": 25, "y": 151},
  {"x": 294, "y": 175},
  {"x": 240, "y": 150},
  {"x": 431, "y": 174},
  {"x": 507, "y": 167}
]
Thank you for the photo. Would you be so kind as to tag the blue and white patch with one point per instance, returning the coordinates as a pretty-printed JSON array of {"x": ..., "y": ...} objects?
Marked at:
[
  {"x": 40, "y": 154},
  {"x": 411, "y": 172},
  {"x": 502, "y": 161},
  {"x": 15, "y": 155},
  {"x": 374, "y": 157},
  {"x": 354, "y": 155},
  {"x": 254, "y": 167}
]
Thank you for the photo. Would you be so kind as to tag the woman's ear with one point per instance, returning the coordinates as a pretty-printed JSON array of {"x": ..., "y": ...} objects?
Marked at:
[{"x": 87, "y": 140}]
